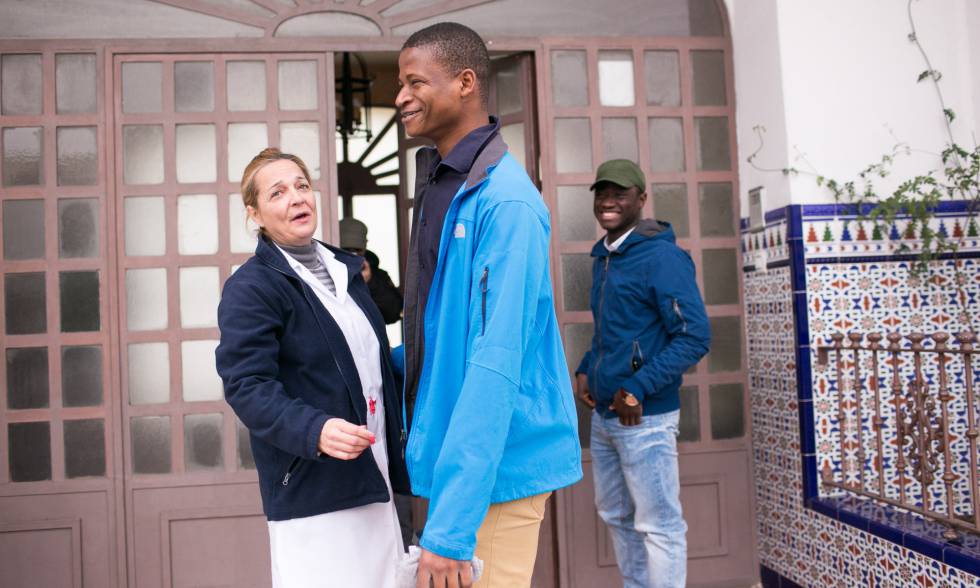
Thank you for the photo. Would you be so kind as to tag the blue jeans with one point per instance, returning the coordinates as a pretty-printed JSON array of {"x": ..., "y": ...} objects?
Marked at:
[{"x": 637, "y": 494}]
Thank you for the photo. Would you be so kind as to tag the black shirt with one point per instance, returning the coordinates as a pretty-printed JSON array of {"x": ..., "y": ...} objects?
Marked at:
[{"x": 445, "y": 176}]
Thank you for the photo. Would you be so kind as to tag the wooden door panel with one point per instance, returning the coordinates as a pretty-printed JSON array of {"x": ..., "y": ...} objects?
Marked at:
[
  {"x": 720, "y": 519},
  {"x": 200, "y": 536},
  {"x": 56, "y": 540}
]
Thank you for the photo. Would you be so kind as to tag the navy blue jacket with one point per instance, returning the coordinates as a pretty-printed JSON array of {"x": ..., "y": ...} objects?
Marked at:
[
  {"x": 650, "y": 323},
  {"x": 287, "y": 368}
]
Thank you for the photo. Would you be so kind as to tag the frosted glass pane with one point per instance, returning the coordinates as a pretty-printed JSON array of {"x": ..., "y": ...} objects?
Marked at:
[
  {"x": 246, "y": 85},
  {"x": 194, "y": 86},
  {"x": 508, "y": 90},
  {"x": 79, "y": 301},
  {"x": 199, "y": 294},
  {"x": 245, "y": 141},
  {"x": 142, "y": 86},
  {"x": 75, "y": 79},
  {"x": 663, "y": 78},
  {"x": 199, "y": 379},
  {"x": 619, "y": 139},
  {"x": 151, "y": 444},
  {"x": 302, "y": 139},
  {"x": 81, "y": 376},
  {"x": 21, "y": 84},
  {"x": 146, "y": 299},
  {"x": 298, "y": 83},
  {"x": 513, "y": 136},
  {"x": 197, "y": 224},
  {"x": 666, "y": 144},
  {"x": 708, "y": 71},
  {"x": 690, "y": 421},
  {"x": 726, "y": 344},
  {"x": 29, "y": 445},
  {"x": 573, "y": 145},
  {"x": 22, "y": 156},
  {"x": 77, "y": 156},
  {"x": 670, "y": 204},
  {"x": 142, "y": 154},
  {"x": 569, "y": 83},
  {"x": 196, "y": 160},
  {"x": 84, "y": 448},
  {"x": 145, "y": 226},
  {"x": 578, "y": 341},
  {"x": 576, "y": 220},
  {"x": 246, "y": 461},
  {"x": 241, "y": 230},
  {"x": 24, "y": 303},
  {"x": 23, "y": 229},
  {"x": 27, "y": 378},
  {"x": 727, "y": 411},
  {"x": 616, "y": 78},
  {"x": 711, "y": 135},
  {"x": 720, "y": 269},
  {"x": 78, "y": 227},
  {"x": 202, "y": 442},
  {"x": 149, "y": 373},
  {"x": 576, "y": 279},
  {"x": 717, "y": 210}
]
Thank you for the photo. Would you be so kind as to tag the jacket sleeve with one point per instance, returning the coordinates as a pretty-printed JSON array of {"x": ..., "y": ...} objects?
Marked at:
[
  {"x": 247, "y": 361},
  {"x": 585, "y": 364},
  {"x": 675, "y": 293},
  {"x": 512, "y": 252}
]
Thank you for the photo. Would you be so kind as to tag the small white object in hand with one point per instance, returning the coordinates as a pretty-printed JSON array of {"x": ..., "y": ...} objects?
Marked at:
[{"x": 408, "y": 568}]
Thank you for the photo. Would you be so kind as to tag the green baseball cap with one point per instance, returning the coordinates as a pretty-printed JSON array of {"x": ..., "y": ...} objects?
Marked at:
[{"x": 621, "y": 172}]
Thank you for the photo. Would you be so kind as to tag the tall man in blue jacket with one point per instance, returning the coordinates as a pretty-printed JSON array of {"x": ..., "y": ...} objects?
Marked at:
[
  {"x": 490, "y": 410},
  {"x": 650, "y": 328}
]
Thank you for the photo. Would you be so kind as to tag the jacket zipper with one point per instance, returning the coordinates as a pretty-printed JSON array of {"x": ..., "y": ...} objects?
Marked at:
[
  {"x": 680, "y": 315},
  {"x": 602, "y": 298},
  {"x": 483, "y": 304},
  {"x": 289, "y": 471}
]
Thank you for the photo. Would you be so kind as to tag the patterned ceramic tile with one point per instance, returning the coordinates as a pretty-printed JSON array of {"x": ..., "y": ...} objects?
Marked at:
[{"x": 802, "y": 545}]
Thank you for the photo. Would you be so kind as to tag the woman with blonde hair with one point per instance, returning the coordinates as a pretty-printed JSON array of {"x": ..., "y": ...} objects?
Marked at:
[{"x": 305, "y": 364}]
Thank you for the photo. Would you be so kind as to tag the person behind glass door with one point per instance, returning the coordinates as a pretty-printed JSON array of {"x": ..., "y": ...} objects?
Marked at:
[
  {"x": 650, "y": 328},
  {"x": 353, "y": 238},
  {"x": 306, "y": 367}
]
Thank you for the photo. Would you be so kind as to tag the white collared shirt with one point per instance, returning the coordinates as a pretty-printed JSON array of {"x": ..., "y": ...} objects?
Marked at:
[{"x": 615, "y": 244}]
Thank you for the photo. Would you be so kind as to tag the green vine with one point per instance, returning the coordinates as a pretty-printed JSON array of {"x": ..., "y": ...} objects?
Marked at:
[{"x": 916, "y": 198}]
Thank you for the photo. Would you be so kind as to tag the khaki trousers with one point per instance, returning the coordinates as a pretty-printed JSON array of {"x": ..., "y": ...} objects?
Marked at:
[{"x": 507, "y": 542}]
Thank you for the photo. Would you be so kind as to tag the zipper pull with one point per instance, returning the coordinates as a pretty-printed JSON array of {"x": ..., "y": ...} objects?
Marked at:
[{"x": 285, "y": 481}]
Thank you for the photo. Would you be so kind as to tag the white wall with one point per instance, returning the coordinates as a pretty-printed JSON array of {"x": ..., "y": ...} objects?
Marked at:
[
  {"x": 759, "y": 99},
  {"x": 847, "y": 91}
]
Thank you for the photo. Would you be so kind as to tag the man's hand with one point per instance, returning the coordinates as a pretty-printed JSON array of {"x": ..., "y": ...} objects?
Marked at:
[
  {"x": 366, "y": 271},
  {"x": 629, "y": 416},
  {"x": 344, "y": 440},
  {"x": 443, "y": 572},
  {"x": 582, "y": 390}
]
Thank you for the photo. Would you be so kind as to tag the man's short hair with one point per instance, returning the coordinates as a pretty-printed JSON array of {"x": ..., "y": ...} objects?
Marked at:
[{"x": 457, "y": 47}]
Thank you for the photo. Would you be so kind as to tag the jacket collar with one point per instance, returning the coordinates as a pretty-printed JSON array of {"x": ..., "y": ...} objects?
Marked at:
[
  {"x": 646, "y": 229},
  {"x": 487, "y": 159},
  {"x": 270, "y": 255}
]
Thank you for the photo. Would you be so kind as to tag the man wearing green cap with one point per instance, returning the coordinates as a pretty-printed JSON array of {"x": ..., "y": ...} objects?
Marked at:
[{"x": 650, "y": 328}]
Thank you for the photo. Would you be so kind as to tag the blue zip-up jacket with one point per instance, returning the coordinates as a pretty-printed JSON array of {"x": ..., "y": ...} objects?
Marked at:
[
  {"x": 650, "y": 323},
  {"x": 494, "y": 417},
  {"x": 287, "y": 368}
]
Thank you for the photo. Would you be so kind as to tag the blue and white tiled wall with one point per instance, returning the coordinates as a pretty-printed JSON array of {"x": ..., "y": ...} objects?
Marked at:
[{"x": 810, "y": 272}]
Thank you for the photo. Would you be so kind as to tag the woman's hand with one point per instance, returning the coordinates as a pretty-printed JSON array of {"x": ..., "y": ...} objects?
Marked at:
[{"x": 344, "y": 440}]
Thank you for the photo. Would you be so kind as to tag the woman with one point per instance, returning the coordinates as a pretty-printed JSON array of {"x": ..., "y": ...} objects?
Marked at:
[{"x": 305, "y": 364}]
